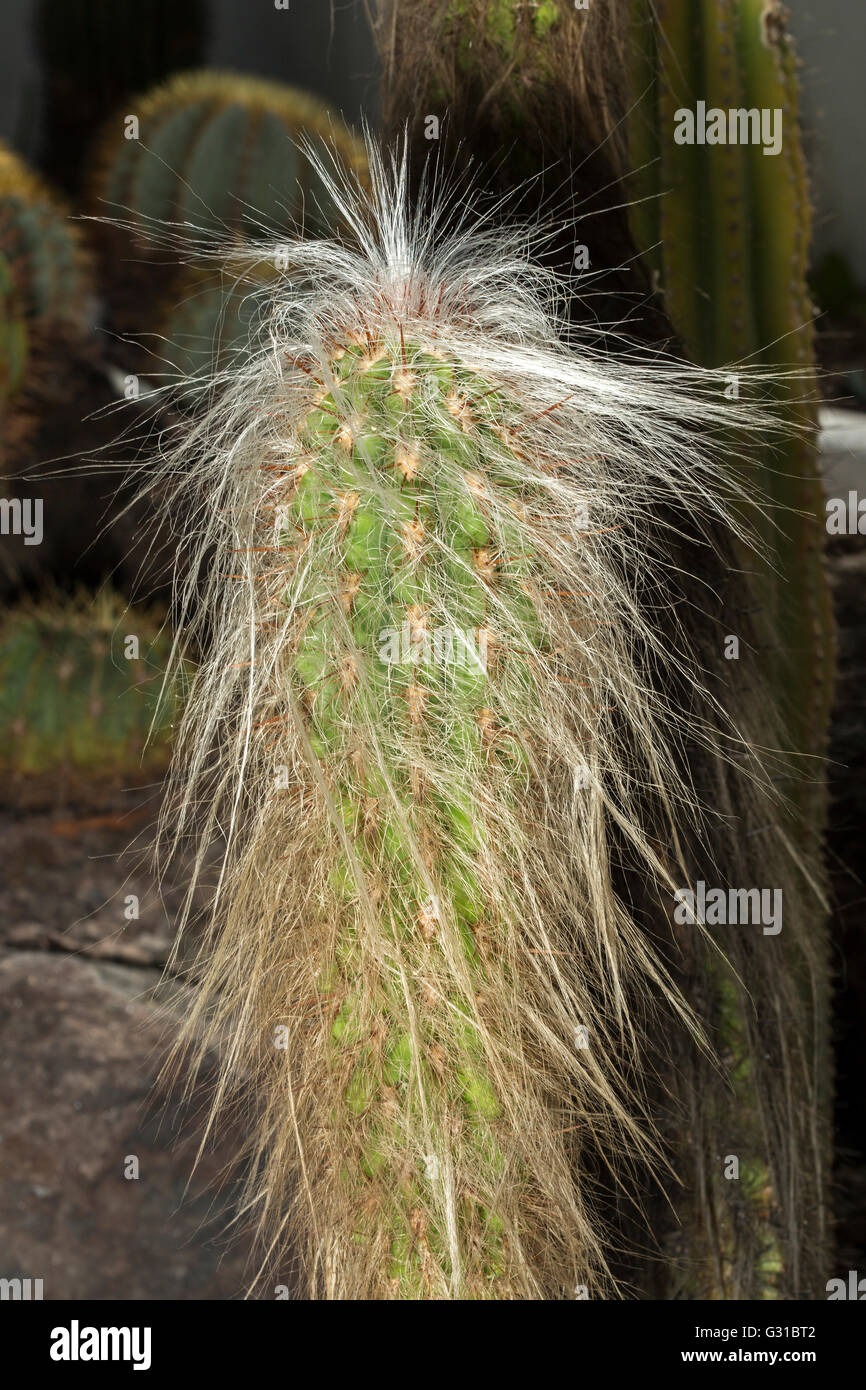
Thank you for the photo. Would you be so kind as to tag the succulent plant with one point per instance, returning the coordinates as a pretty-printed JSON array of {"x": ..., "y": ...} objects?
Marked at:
[
  {"x": 417, "y": 539},
  {"x": 82, "y": 702},
  {"x": 45, "y": 297},
  {"x": 44, "y": 270}
]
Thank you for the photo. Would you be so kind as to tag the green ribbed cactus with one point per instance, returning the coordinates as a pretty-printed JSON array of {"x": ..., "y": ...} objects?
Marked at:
[
  {"x": 44, "y": 280},
  {"x": 13, "y": 335},
  {"x": 724, "y": 227},
  {"x": 216, "y": 151},
  {"x": 217, "y": 157},
  {"x": 77, "y": 697}
]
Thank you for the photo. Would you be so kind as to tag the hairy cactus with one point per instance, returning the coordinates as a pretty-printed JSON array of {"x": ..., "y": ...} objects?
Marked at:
[
  {"x": 425, "y": 723},
  {"x": 79, "y": 698}
]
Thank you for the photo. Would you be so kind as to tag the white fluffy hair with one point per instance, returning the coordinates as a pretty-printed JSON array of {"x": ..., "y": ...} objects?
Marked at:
[{"x": 607, "y": 453}]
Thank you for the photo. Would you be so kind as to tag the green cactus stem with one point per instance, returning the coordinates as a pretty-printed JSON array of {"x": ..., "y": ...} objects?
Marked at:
[
  {"x": 734, "y": 224},
  {"x": 422, "y": 547},
  {"x": 45, "y": 288}
]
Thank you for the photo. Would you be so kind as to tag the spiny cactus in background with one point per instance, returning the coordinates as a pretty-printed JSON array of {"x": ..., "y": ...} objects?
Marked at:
[
  {"x": 531, "y": 91},
  {"x": 217, "y": 153},
  {"x": 457, "y": 61},
  {"x": 423, "y": 721},
  {"x": 80, "y": 692},
  {"x": 44, "y": 278},
  {"x": 41, "y": 248},
  {"x": 93, "y": 53},
  {"x": 218, "y": 156},
  {"x": 13, "y": 335},
  {"x": 724, "y": 228}
]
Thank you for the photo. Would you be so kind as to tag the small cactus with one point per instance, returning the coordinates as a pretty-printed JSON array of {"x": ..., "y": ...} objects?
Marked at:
[{"x": 81, "y": 702}]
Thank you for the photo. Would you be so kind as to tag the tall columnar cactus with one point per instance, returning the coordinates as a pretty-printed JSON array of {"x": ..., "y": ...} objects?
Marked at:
[
  {"x": 725, "y": 226},
  {"x": 423, "y": 719},
  {"x": 723, "y": 233},
  {"x": 82, "y": 700},
  {"x": 724, "y": 223}
]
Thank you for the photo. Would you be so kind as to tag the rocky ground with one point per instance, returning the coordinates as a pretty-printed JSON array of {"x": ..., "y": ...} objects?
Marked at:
[{"x": 84, "y": 1026}]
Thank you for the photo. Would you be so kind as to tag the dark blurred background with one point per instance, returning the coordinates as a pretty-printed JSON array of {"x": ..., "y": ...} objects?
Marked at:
[{"x": 324, "y": 48}]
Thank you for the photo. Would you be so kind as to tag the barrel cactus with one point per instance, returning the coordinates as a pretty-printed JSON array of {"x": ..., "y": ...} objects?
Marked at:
[
  {"x": 215, "y": 155},
  {"x": 44, "y": 271},
  {"x": 82, "y": 705},
  {"x": 215, "y": 152}
]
